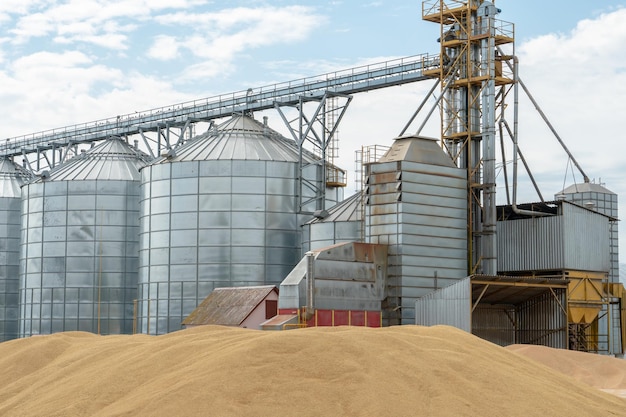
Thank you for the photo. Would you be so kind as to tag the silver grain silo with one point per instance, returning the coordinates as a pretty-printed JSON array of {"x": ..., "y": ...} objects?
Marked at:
[
  {"x": 340, "y": 223},
  {"x": 11, "y": 179},
  {"x": 79, "y": 249},
  {"x": 219, "y": 211},
  {"x": 416, "y": 202}
]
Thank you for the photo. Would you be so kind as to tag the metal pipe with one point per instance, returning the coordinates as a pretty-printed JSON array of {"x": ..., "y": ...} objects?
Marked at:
[
  {"x": 515, "y": 145},
  {"x": 310, "y": 285},
  {"x": 430, "y": 93},
  {"x": 521, "y": 157},
  {"x": 435, "y": 105},
  {"x": 556, "y": 135}
]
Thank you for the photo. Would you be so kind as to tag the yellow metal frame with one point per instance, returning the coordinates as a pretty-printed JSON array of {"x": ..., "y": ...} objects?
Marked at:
[{"x": 458, "y": 70}]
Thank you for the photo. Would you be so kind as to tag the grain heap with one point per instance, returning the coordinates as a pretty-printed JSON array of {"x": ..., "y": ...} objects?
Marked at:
[
  {"x": 342, "y": 371},
  {"x": 600, "y": 371}
]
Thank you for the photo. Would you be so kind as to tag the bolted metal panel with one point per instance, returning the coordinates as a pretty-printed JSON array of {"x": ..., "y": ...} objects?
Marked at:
[
  {"x": 11, "y": 179},
  {"x": 78, "y": 257},
  {"x": 221, "y": 211},
  {"x": 574, "y": 238},
  {"x": 418, "y": 207}
]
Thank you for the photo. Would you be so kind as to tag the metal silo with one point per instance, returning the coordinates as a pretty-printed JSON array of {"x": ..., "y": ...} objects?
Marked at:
[
  {"x": 79, "y": 249},
  {"x": 11, "y": 179},
  {"x": 416, "y": 202},
  {"x": 219, "y": 211},
  {"x": 340, "y": 223}
]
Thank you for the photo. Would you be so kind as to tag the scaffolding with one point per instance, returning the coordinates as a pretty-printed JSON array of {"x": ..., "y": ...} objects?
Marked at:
[{"x": 470, "y": 71}]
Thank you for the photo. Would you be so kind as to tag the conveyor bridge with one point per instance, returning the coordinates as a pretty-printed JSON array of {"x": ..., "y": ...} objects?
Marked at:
[{"x": 355, "y": 80}]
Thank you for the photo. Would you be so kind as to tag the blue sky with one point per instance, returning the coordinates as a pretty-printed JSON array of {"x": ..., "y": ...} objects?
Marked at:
[{"x": 71, "y": 61}]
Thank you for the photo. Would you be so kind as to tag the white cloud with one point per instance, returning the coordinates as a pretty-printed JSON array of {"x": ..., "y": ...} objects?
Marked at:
[
  {"x": 164, "y": 48},
  {"x": 220, "y": 37},
  {"x": 86, "y": 20},
  {"x": 579, "y": 81},
  {"x": 69, "y": 87}
]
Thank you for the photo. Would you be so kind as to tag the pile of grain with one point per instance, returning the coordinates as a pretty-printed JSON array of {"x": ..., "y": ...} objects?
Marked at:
[
  {"x": 600, "y": 371},
  {"x": 396, "y": 371}
]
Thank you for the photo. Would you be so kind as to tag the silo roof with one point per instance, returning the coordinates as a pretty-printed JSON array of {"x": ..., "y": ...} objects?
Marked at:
[
  {"x": 586, "y": 187},
  {"x": 112, "y": 159},
  {"x": 349, "y": 210},
  {"x": 417, "y": 149},
  {"x": 239, "y": 138},
  {"x": 11, "y": 178}
]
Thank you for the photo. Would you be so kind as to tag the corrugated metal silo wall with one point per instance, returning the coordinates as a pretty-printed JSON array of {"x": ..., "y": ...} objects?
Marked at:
[
  {"x": 576, "y": 239},
  {"x": 539, "y": 320},
  {"x": 9, "y": 266},
  {"x": 209, "y": 224},
  {"x": 78, "y": 261},
  {"x": 322, "y": 234},
  {"x": 420, "y": 211},
  {"x": 449, "y": 306}
]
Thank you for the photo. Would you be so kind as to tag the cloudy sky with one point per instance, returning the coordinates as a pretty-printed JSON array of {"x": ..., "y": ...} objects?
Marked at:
[{"x": 66, "y": 62}]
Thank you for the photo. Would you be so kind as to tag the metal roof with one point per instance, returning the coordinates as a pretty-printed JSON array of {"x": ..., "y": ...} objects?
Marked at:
[
  {"x": 506, "y": 212},
  {"x": 228, "y": 306},
  {"x": 494, "y": 290},
  {"x": 239, "y": 138},
  {"x": 112, "y": 159},
  {"x": 12, "y": 177},
  {"x": 417, "y": 149},
  {"x": 585, "y": 187},
  {"x": 349, "y": 210}
]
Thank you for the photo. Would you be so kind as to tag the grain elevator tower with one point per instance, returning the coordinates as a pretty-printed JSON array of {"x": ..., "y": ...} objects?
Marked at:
[{"x": 474, "y": 86}]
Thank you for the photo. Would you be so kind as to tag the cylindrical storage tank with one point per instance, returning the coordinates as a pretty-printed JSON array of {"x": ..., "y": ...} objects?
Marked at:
[
  {"x": 220, "y": 211},
  {"x": 79, "y": 249},
  {"x": 11, "y": 179},
  {"x": 340, "y": 223}
]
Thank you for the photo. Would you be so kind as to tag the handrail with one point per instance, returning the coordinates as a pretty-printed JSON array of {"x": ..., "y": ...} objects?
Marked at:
[{"x": 349, "y": 81}]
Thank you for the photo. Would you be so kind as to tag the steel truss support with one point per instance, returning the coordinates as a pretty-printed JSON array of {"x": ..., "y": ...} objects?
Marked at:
[
  {"x": 314, "y": 128},
  {"x": 154, "y": 141}
]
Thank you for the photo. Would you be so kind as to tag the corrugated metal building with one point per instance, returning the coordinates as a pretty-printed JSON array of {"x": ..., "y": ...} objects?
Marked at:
[
  {"x": 416, "y": 202},
  {"x": 503, "y": 310},
  {"x": 598, "y": 198},
  {"x": 566, "y": 237}
]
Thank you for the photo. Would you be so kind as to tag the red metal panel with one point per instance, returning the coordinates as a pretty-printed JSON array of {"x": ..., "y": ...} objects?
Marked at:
[
  {"x": 357, "y": 318},
  {"x": 373, "y": 319},
  {"x": 324, "y": 317},
  {"x": 342, "y": 318}
]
